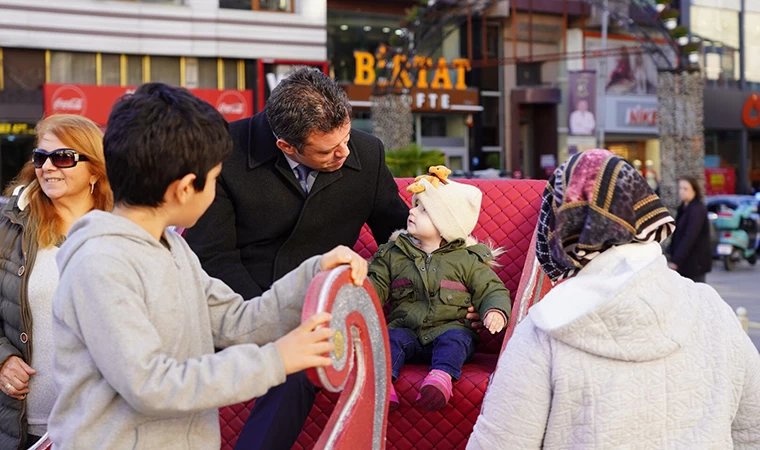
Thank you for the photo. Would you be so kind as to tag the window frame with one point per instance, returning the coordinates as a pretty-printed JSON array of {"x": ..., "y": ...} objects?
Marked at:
[{"x": 256, "y": 6}]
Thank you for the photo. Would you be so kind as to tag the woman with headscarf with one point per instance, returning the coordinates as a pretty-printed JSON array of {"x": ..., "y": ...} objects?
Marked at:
[{"x": 624, "y": 353}]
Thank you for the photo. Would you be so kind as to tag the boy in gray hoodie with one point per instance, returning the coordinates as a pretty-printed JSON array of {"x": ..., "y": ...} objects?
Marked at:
[{"x": 136, "y": 318}]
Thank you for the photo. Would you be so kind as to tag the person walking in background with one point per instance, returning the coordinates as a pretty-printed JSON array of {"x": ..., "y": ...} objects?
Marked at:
[
  {"x": 65, "y": 179},
  {"x": 624, "y": 352},
  {"x": 690, "y": 246}
]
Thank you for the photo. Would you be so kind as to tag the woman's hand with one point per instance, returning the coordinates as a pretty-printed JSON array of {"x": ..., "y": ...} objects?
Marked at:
[
  {"x": 14, "y": 377},
  {"x": 343, "y": 255},
  {"x": 673, "y": 266}
]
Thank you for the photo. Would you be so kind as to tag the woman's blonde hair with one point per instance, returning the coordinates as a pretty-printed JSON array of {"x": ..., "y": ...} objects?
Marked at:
[{"x": 84, "y": 136}]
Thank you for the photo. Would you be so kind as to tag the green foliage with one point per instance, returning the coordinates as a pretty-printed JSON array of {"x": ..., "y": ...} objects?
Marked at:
[{"x": 412, "y": 160}]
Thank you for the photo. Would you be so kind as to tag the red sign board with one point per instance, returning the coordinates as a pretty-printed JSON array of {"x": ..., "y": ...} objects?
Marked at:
[
  {"x": 720, "y": 181},
  {"x": 751, "y": 111},
  {"x": 95, "y": 102}
]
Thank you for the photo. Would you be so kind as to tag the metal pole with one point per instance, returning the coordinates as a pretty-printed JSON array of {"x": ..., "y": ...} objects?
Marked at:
[
  {"x": 601, "y": 102},
  {"x": 743, "y": 187}
]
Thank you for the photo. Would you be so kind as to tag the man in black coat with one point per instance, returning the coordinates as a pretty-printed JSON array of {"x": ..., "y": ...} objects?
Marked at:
[{"x": 300, "y": 181}]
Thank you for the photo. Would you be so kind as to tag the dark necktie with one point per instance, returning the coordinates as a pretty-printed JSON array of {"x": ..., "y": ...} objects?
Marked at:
[{"x": 303, "y": 174}]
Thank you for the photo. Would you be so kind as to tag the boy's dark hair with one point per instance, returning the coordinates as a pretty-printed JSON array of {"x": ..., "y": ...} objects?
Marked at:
[
  {"x": 306, "y": 101},
  {"x": 158, "y": 135}
]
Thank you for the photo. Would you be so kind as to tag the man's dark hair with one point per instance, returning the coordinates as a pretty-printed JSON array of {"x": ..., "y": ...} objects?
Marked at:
[
  {"x": 158, "y": 135},
  {"x": 304, "y": 102}
]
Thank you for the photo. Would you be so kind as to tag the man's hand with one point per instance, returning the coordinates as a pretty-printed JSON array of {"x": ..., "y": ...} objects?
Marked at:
[
  {"x": 14, "y": 377},
  {"x": 343, "y": 255},
  {"x": 474, "y": 317},
  {"x": 304, "y": 347},
  {"x": 494, "y": 321}
]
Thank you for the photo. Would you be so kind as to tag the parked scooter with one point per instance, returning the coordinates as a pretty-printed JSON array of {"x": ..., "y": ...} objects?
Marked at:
[{"x": 738, "y": 235}]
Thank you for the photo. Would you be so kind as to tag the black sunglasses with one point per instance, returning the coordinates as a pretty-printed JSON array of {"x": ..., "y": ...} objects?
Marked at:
[{"x": 63, "y": 158}]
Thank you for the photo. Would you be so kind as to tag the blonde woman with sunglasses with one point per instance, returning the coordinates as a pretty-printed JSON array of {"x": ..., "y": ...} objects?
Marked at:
[{"x": 65, "y": 179}]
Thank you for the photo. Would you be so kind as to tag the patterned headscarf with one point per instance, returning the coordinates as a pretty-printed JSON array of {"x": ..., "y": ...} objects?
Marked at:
[{"x": 594, "y": 201}]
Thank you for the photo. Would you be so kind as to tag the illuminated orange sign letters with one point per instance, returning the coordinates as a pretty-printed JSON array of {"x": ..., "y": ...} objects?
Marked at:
[{"x": 366, "y": 76}]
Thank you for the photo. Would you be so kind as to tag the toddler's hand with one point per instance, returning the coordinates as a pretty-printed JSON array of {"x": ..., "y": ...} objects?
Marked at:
[
  {"x": 494, "y": 321},
  {"x": 343, "y": 255},
  {"x": 303, "y": 347}
]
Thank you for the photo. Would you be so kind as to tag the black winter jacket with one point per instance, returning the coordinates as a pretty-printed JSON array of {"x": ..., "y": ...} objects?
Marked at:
[
  {"x": 262, "y": 225},
  {"x": 690, "y": 247}
]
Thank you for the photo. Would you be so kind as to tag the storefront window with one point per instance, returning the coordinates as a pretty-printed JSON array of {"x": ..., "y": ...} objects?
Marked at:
[
  {"x": 433, "y": 126},
  {"x": 201, "y": 73},
  {"x": 134, "y": 70},
  {"x": 719, "y": 29},
  {"x": 752, "y": 49},
  {"x": 258, "y": 5},
  {"x": 491, "y": 121},
  {"x": 165, "y": 69},
  {"x": 348, "y": 32},
  {"x": 23, "y": 70},
  {"x": 71, "y": 67},
  {"x": 230, "y": 74},
  {"x": 110, "y": 69}
]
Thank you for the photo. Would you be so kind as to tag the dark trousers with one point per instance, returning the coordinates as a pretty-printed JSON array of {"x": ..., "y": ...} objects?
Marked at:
[
  {"x": 448, "y": 352},
  {"x": 700, "y": 278},
  {"x": 278, "y": 417},
  {"x": 31, "y": 440}
]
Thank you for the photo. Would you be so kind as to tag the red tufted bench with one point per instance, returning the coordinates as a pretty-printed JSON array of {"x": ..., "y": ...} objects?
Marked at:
[{"x": 508, "y": 217}]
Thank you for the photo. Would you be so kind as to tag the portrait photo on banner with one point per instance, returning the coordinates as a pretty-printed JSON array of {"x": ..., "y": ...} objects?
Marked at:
[{"x": 582, "y": 102}]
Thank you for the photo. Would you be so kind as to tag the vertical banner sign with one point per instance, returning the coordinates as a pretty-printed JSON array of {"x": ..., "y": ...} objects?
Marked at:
[{"x": 582, "y": 102}]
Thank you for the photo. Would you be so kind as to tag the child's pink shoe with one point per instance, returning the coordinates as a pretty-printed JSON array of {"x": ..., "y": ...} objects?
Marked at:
[
  {"x": 435, "y": 391},
  {"x": 393, "y": 400}
]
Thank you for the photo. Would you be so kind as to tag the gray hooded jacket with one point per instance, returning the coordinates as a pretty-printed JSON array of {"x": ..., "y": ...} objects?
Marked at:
[{"x": 136, "y": 325}]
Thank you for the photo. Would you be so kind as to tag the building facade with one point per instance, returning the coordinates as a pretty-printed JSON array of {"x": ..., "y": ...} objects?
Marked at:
[
  {"x": 80, "y": 56},
  {"x": 730, "y": 59}
]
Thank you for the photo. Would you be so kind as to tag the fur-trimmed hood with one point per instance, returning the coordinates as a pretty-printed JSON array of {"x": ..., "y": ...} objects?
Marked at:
[{"x": 471, "y": 241}]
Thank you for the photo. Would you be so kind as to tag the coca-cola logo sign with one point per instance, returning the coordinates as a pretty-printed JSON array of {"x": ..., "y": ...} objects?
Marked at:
[
  {"x": 232, "y": 105},
  {"x": 69, "y": 99}
]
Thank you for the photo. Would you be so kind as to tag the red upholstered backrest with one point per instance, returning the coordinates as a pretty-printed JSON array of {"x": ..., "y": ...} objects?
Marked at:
[{"x": 508, "y": 217}]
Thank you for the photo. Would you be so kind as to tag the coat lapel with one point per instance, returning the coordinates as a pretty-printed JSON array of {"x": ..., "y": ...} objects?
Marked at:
[
  {"x": 325, "y": 179},
  {"x": 290, "y": 178}
]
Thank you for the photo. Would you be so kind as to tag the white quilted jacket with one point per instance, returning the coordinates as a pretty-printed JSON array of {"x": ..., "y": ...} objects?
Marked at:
[{"x": 627, "y": 355}]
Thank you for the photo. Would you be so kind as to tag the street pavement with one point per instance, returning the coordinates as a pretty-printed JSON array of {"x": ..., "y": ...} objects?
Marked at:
[{"x": 740, "y": 287}]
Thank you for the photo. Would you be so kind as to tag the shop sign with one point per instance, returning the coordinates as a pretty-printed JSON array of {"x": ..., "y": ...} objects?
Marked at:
[
  {"x": 367, "y": 63},
  {"x": 720, "y": 181},
  {"x": 639, "y": 116},
  {"x": 751, "y": 111},
  {"x": 422, "y": 100},
  {"x": 631, "y": 114},
  {"x": 16, "y": 128},
  {"x": 95, "y": 102}
]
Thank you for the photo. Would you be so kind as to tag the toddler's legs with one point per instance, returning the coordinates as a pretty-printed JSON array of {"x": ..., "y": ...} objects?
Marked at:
[
  {"x": 450, "y": 351},
  {"x": 404, "y": 348}
]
